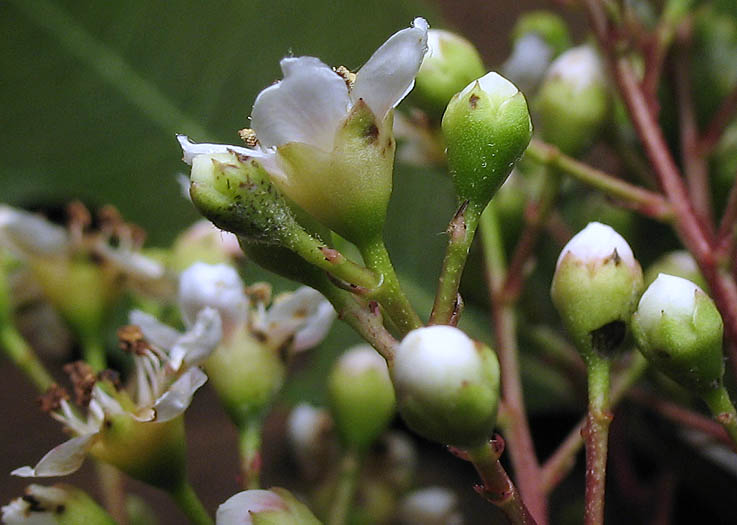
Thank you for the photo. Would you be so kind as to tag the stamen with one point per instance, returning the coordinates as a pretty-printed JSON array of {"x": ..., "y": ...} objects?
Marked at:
[
  {"x": 130, "y": 339},
  {"x": 51, "y": 400},
  {"x": 83, "y": 379},
  {"x": 346, "y": 74},
  {"x": 248, "y": 136}
]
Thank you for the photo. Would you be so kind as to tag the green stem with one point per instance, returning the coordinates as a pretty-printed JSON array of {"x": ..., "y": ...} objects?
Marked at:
[
  {"x": 461, "y": 231},
  {"x": 498, "y": 489},
  {"x": 389, "y": 294},
  {"x": 563, "y": 459},
  {"x": 345, "y": 489},
  {"x": 596, "y": 437},
  {"x": 645, "y": 201},
  {"x": 188, "y": 502},
  {"x": 93, "y": 351},
  {"x": 22, "y": 356},
  {"x": 723, "y": 410},
  {"x": 249, "y": 446}
]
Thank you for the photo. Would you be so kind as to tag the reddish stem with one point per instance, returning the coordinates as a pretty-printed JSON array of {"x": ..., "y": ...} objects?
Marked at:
[
  {"x": 719, "y": 122},
  {"x": 726, "y": 233}
]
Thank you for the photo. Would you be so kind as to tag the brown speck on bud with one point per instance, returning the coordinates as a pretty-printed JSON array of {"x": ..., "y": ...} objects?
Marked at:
[
  {"x": 83, "y": 379},
  {"x": 130, "y": 339},
  {"x": 51, "y": 400},
  {"x": 473, "y": 101},
  {"x": 330, "y": 254},
  {"x": 248, "y": 136},
  {"x": 348, "y": 77}
]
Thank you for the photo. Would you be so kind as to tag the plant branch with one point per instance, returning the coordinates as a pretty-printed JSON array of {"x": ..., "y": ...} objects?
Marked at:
[
  {"x": 249, "y": 448},
  {"x": 23, "y": 356},
  {"x": 596, "y": 439},
  {"x": 640, "y": 199},
  {"x": 719, "y": 122},
  {"x": 497, "y": 488},
  {"x": 345, "y": 489},
  {"x": 461, "y": 231},
  {"x": 562, "y": 460},
  {"x": 521, "y": 446},
  {"x": 188, "y": 502},
  {"x": 726, "y": 232}
]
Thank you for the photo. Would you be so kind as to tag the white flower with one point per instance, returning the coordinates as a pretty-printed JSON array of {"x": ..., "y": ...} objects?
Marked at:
[
  {"x": 303, "y": 316},
  {"x": 312, "y": 101},
  {"x": 163, "y": 391},
  {"x": 598, "y": 242},
  {"x": 580, "y": 67},
  {"x": 239, "y": 509},
  {"x": 324, "y": 135},
  {"x": 53, "y": 506},
  {"x": 528, "y": 61}
]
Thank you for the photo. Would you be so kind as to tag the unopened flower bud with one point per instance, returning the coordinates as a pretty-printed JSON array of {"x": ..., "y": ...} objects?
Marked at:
[
  {"x": 538, "y": 37},
  {"x": 268, "y": 507},
  {"x": 447, "y": 385},
  {"x": 430, "y": 506},
  {"x": 450, "y": 64},
  {"x": 236, "y": 194},
  {"x": 361, "y": 396},
  {"x": 679, "y": 329},
  {"x": 679, "y": 263},
  {"x": 573, "y": 101},
  {"x": 203, "y": 242},
  {"x": 486, "y": 127},
  {"x": 595, "y": 289},
  {"x": 309, "y": 431},
  {"x": 57, "y": 505}
]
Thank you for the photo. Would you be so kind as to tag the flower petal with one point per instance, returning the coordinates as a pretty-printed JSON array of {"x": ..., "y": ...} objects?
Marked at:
[
  {"x": 60, "y": 460},
  {"x": 303, "y": 309},
  {"x": 307, "y": 106},
  {"x": 155, "y": 332},
  {"x": 179, "y": 395},
  {"x": 28, "y": 234},
  {"x": 215, "y": 285},
  {"x": 316, "y": 327},
  {"x": 267, "y": 158},
  {"x": 389, "y": 75},
  {"x": 197, "y": 343},
  {"x": 240, "y": 508},
  {"x": 132, "y": 263}
]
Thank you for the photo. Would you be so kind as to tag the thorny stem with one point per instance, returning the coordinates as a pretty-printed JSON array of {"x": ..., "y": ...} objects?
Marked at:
[
  {"x": 562, "y": 460},
  {"x": 365, "y": 318},
  {"x": 536, "y": 214},
  {"x": 461, "y": 231},
  {"x": 23, "y": 356},
  {"x": 389, "y": 293},
  {"x": 188, "y": 502},
  {"x": 723, "y": 411},
  {"x": 596, "y": 438},
  {"x": 686, "y": 224},
  {"x": 345, "y": 490},
  {"x": 249, "y": 447},
  {"x": 642, "y": 200},
  {"x": 521, "y": 446},
  {"x": 498, "y": 489}
]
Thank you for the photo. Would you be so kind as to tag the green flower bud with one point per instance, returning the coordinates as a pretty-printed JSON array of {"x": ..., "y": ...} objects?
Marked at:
[
  {"x": 679, "y": 263},
  {"x": 449, "y": 65},
  {"x": 679, "y": 330},
  {"x": 486, "y": 127},
  {"x": 237, "y": 195},
  {"x": 447, "y": 386},
  {"x": 57, "y": 505},
  {"x": 361, "y": 396},
  {"x": 595, "y": 288},
  {"x": 573, "y": 101},
  {"x": 547, "y": 25},
  {"x": 203, "y": 242},
  {"x": 264, "y": 507},
  {"x": 246, "y": 374}
]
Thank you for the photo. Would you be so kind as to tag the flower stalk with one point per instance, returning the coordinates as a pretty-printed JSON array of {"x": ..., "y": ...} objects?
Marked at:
[
  {"x": 249, "y": 447},
  {"x": 22, "y": 355},
  {"x": 345, "y": 489},
  {"x": 189, "y": 503}
]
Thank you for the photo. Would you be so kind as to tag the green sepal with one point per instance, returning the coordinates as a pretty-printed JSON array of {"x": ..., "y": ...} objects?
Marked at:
[{"x": 296, "y": 512}]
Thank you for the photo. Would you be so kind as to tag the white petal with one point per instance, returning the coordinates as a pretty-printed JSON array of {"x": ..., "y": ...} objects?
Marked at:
[
  {"x": 179, "y": 395},
  {"x": 28, "y": 234},
  {"x": 431, "y": 506},
  {"x": 316, "y": 327},
  {"x": 295, "y": 311},
  {"x": 669, "y": 295},
  {"x": 598, "y": 241},
  {"x": 132, "y": 263},
  {"x": 155, "y": 332},
  {"x": 191, "y": 149},
  {"x": 528, "y": 61},
  {"x": 215, "y": 285},
  {"x": 579, "y": 66},
  {"x": 389, "y": 75},
  {"x": 307, "y": 106},
  {"x": 195, "y": 346},
  {"x": 18, "y": 512},
  {"x": 60, "y": 460},
  {"x": 238, "y": 509}
]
